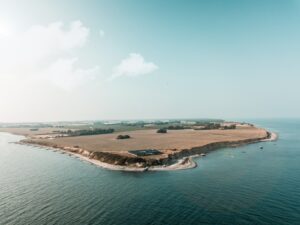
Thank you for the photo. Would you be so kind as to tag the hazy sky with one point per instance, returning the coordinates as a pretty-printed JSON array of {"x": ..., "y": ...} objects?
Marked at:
[{"x": 127, "y": 59}]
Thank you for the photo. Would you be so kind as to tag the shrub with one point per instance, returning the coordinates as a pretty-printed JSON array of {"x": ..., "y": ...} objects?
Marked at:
[
  {"x": 232, "y": 126},
  {"x": 123, "y": 136},
  {"x": 162, "y": 131}
]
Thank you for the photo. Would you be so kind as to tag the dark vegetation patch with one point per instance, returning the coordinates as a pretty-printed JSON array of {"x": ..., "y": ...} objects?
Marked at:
[
  {"x": 123, "y": 136},
  {"x": 177, "y": 127},
  {"x": 229, "y": 127},
  {"x": 162, "y": 131},
  {"x": 87, "y": 132}
]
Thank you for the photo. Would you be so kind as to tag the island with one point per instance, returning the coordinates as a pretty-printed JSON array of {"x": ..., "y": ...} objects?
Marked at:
[{"x": 142, "y": 146}]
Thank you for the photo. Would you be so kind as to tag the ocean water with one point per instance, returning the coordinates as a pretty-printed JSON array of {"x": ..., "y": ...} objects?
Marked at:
[{"x": 244, "y": 185}]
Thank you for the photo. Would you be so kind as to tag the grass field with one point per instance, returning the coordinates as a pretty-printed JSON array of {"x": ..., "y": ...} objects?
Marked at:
[{"x": 149, "y": 139}]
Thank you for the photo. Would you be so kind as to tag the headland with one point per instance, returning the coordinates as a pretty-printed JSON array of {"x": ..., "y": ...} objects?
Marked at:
[{"x": 168, "y": 147}]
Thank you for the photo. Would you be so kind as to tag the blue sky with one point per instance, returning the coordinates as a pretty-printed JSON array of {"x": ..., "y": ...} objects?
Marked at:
[{"x": 131, "y": 59}]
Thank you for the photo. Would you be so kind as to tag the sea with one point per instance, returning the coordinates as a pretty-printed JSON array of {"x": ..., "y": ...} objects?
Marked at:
[{"x": 243, "y": 185}]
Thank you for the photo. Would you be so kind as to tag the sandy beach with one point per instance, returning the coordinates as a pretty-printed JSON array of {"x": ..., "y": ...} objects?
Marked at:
[{"x": 181, "y": 164}]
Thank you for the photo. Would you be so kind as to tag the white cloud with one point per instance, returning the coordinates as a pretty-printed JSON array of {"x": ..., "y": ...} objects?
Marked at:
[
  {"x": 32, "y": 52},
  {"x": 101, "y": 33},
  {"x": 134, "y": 65},
  {"x": 65, "y": 75},
  {"x": 5, "y": 28}
]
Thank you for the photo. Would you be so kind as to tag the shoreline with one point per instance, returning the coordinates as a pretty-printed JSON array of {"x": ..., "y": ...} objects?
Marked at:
[
  {"x": 273, "y": 137},
  {"x": 182, "y": 163}
]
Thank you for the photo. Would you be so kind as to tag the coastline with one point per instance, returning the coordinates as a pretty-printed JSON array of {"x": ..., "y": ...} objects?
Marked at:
[
  {"x": 181, "y": 164},
  {"x": 273, "y": 137},
  {"x": 184, "y": 160}
]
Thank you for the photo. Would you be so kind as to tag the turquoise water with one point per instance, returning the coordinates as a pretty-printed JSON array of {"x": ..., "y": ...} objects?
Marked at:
[{"x": 242, "y": 185}]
